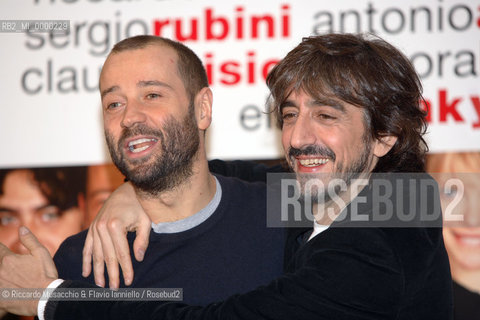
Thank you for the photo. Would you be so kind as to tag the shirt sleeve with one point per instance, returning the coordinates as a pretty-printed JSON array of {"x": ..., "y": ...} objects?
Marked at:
[{"x": 42, "y": 303}]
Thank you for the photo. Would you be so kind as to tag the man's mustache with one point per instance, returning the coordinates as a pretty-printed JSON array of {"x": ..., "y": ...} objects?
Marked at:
[{"x": 312, "y": 151}]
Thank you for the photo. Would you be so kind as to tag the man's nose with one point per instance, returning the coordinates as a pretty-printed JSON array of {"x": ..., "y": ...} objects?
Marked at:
[
  {"x": 303, "y": 133},
  {"x": 132, "y": 115}
]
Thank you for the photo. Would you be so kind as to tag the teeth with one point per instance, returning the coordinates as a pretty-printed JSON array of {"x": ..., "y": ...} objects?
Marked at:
[
  {"x": 132, "y": 144},
  {"x": 138, "y": 141},
  {"x": 312, "y": 162},
  {"x": 132, "y": 149},
  {"x": 472, "y": 241}
]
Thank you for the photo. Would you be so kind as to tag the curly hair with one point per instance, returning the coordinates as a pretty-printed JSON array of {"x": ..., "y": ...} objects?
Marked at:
[
  {"x": 60, "y": 185},
  {"x": 369, "y": 73}
]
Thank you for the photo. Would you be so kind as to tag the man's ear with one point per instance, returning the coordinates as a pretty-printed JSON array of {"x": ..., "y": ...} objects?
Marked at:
[
  {"x": 383, "y": 145},
  {"x": 203, "y": 108}
]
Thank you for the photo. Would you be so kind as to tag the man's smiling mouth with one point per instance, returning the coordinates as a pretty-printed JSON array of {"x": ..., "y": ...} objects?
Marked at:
[
  {"x": 313, "y": 162},
  {"x": 141, "y": 144}
]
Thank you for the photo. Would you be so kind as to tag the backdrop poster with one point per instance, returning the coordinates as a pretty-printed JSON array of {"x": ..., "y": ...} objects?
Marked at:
[{"x": 50, "y": 112}]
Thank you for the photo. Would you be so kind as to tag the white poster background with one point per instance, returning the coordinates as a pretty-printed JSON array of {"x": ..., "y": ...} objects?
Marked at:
[{"x": 54, "y": 117}]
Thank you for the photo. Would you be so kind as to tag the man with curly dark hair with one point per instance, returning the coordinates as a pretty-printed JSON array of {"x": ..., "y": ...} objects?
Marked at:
[{"x": 43, "y": 199}]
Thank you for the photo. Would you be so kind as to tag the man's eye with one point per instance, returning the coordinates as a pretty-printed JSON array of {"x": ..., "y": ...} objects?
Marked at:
[
  {"x": 7, "y": 220},
  {"x": 50, "y": 214},
  {"x": 153, "y": 95},
  {"x": 113, "y": 105},
  {"x": 325, "y": 116},
  {"x": 288, "y": 116}
]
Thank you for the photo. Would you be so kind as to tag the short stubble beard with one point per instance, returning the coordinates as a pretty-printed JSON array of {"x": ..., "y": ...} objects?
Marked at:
[{"x": 346, "y": 174}]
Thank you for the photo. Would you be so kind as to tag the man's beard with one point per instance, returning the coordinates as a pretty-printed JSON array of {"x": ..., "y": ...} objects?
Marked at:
[
  {"x": 329, "y": 185},
  {"x": 165, "y": 169}
]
